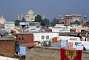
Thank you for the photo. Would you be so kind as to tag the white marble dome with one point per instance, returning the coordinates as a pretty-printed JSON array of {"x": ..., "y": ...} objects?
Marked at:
[
  {"x": 30, "y": 16},
  {"x": 30, "y": 12}
]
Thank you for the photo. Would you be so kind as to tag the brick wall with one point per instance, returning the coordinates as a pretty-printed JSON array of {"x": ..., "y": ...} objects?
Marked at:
[
  {"x": 24, "y": 38},
  {"x": 7, "y": 48}
]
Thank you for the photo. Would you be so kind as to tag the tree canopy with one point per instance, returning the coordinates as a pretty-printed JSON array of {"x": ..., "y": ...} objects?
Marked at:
[
  {"x": 17, "y": 22},
  {"x": 45, "y": 22},
  {"x": 54, "y": 22},
  {"x": 38, "y": 18},
  {"x": 76, "y": 22}
]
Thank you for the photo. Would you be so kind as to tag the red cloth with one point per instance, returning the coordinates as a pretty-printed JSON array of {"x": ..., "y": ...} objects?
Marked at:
[{"x": 70, "y": 54}]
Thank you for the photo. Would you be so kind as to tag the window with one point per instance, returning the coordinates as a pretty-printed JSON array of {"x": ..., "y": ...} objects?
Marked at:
[
  {"x": 47, "y": 37},
  {"x": 42, "y": 37}
]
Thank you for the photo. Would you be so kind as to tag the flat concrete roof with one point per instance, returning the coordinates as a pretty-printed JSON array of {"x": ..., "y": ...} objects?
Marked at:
[{"x": 6, "y": 38}]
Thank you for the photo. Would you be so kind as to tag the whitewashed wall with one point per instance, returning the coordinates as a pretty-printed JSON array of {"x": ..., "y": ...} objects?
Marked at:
[
  {"x": 7, "y": 58},
  {"x": 38, "y": 35}
]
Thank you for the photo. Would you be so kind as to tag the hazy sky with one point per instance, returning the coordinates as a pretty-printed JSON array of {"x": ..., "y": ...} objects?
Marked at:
[{"x": 49, "y": 8}]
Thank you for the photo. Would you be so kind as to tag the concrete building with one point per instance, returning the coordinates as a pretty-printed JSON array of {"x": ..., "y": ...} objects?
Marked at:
[
  {"x": 44, "y": 36},
  {"x": 30, "y": 26},
  {"x": 9, "y": 26},
  {"x": 60, "y": 28},
  {"x": 33, "y": 27},
  {"x": 68, "y": 19}
]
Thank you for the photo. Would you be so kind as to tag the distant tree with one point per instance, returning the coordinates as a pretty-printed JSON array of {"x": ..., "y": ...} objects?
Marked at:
[
  {"x": 17, "y": 22},
  {"x": 76, "y": 22},
  {"x": 45, "y": 22},
  {"x": 87, "y": 23},
  {"x": 38, "y": 18},
  {"x": 54, "y": 22}
]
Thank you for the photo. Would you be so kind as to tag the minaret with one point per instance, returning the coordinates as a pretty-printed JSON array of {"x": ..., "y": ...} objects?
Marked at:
[
  {"x": 18, "y": 17},
  {"x": 2, "y": 21}
]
